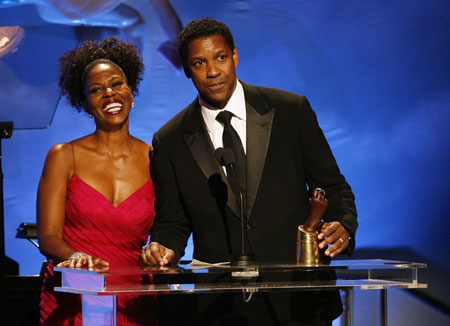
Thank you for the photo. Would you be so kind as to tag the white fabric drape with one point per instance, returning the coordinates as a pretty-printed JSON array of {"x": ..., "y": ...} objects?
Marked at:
[{"x": 80, "y": 9}]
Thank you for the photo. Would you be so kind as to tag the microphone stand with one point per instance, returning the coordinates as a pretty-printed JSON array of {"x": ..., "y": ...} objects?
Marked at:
[
  {"x": 242, "y": 259},
  {"x": 225, "y": 157},
  {"x": 5, "y": 132}
]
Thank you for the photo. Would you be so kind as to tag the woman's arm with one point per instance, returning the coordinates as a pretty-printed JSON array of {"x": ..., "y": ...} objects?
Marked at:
[
  {"x": 51, "y": 202},
  {"x": 51, "y": 199}
]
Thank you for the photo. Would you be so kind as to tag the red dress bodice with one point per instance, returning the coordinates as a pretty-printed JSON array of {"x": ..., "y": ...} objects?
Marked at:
[{"x": 116, "y": 234}]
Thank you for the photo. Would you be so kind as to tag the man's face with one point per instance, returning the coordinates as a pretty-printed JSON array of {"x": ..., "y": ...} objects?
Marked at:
[{"x": 211, "y": 65}]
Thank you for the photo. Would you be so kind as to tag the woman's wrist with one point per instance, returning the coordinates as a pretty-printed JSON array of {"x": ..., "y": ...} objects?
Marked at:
[{"x": 77, "y": 254}]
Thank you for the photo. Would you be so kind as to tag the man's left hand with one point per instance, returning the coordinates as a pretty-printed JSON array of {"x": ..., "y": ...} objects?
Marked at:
[{"x": 335, "y": 234}]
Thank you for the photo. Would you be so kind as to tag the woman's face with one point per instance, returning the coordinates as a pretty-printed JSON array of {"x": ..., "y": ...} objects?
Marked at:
[{"x": 109, "y": 98}]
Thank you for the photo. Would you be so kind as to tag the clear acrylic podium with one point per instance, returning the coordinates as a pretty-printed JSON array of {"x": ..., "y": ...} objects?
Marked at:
[{"x": 99, "y": 293}]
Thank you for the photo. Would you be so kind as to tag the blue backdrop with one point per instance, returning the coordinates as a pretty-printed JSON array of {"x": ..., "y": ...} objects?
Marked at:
[{"x": 377, "y": 74}]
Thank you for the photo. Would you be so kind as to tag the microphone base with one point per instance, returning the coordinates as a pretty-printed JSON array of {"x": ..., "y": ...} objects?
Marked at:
[{"x": 243, "y": 259}]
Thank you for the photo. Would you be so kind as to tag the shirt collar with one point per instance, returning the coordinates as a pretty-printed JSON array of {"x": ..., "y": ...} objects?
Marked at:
[{"x": 235, "y": 105}]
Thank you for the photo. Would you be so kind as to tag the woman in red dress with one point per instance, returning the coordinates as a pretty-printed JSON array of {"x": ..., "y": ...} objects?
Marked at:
[{"x": 95, "y": 201}]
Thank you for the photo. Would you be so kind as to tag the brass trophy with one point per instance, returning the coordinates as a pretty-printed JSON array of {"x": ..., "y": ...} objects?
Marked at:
[{"x": 307, "y": 242}]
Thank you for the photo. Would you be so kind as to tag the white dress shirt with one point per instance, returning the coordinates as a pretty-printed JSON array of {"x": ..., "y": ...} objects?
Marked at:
[{"x": 235, "y": 105}]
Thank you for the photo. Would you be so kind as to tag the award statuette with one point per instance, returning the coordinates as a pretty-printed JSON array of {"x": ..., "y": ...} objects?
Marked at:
[{"x": 307, "y": 242}]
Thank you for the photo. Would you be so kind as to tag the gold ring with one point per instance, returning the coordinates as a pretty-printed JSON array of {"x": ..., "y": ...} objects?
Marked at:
[{"x": 320, "y": 190}]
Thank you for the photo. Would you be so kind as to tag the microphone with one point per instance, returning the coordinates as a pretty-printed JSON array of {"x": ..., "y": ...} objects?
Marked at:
[{"x": 225, "y": 157}]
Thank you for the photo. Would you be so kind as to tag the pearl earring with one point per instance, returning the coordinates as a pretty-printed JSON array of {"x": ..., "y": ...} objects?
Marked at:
[
  {"x": 132, "y": 104},
  {"x": 90, "y": 116}
]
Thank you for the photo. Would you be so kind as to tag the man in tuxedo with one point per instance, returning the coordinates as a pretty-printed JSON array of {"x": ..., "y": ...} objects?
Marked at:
[{"x": 282, "y": 155}]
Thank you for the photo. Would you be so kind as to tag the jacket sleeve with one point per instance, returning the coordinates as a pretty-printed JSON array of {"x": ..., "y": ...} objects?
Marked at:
[
  {"x": 321, "y": 170},
  {"x": 171, "y": 227}
]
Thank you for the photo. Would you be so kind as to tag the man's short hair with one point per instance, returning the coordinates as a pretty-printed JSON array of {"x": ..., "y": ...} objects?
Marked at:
[{"x": 201, "y": 28}]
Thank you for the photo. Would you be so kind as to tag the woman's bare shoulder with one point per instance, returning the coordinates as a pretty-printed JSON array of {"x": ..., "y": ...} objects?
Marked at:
[
  {"x": 60, "y": 151},
  {"x": 59, "y": 159},
  {"x": 66, "y": 149},
  {"x": 142, "y": 146}
]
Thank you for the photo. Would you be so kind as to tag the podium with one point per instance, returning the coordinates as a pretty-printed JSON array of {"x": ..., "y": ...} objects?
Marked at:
[{"x": 99, "y": 292}]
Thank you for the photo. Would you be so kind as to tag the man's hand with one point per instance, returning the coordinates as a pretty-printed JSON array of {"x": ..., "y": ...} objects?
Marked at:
[
  {"x": 333, "y": 233},
  {"x": 156, "y": 254}
]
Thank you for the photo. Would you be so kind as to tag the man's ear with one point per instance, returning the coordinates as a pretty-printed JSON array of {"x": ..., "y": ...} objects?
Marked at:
[
  {"x": 235, "y": 57},
  {"x": 187, "y": 72}
]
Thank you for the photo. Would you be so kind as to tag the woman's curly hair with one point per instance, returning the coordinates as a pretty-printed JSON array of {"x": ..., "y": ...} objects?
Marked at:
[{"x": 74, "y": 63}]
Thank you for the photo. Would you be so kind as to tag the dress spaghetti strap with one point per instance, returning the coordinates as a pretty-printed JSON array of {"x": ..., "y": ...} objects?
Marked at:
[{"x": 73, "y": 155}]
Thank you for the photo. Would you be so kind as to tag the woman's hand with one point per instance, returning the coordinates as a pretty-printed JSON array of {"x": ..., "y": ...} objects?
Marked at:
[{"x": 82, "y": 260}]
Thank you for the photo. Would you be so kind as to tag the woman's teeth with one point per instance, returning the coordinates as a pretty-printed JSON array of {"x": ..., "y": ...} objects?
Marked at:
[{"x": 113, "y": 107}]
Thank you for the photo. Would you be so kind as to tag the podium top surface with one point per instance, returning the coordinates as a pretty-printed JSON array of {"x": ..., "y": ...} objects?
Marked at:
[
  {"x": 216, "y": 278},
  {"x": 197, "y": 267}
]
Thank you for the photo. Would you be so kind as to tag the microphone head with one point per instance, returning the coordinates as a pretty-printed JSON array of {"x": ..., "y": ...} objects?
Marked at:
[{"x": 225, "y": 156}]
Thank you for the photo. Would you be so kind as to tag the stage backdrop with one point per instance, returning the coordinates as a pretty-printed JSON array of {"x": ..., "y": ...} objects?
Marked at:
[{"x": 377, "y": 74}]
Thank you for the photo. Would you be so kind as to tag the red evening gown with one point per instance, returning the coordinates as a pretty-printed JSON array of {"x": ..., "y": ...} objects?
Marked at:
[{"x": 94, "y": 226}]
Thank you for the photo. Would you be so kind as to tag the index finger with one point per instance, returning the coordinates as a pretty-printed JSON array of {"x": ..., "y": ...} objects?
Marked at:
[
  {"x": 168, "y": 255},
  {"x": 327, "y": 229}
]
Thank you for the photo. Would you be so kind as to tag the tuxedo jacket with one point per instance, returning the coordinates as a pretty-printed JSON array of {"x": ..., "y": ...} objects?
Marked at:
[{"x": 287, "y": 154}]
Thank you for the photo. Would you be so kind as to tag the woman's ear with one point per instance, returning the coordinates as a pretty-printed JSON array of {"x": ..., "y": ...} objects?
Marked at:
[{"x": 86, "y": 109}]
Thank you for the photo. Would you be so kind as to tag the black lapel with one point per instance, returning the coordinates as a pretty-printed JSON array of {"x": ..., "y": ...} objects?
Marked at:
[
  {"x": 202, "y": 149},
  {"x": 259, "y": 127}
]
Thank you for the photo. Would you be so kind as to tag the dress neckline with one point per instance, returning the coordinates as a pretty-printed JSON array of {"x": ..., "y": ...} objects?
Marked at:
[{"x": 74, "y": 175}]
